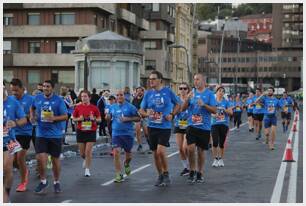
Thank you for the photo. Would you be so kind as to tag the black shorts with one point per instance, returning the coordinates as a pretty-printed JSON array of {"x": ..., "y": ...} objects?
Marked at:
[
  {"x": 52, "y": 146},
  {"x": 83, "y": 137},
  {"x": 286, "y": 115},
  {"x": 198, "y": 136},
  {"x": 158, "y": 137},
  {"x": 258, "y": 117},
  {"x": 250, "y": 114},
  {"x": 178, "y": 130},
  {"x": 24, "y": 141},
  {"x": 218, "y": 133}
]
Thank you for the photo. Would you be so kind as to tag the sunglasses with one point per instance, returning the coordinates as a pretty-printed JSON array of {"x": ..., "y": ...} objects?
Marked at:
[
  {"x": 183, "y": 88},
  {"x": 119, "y": 95}
]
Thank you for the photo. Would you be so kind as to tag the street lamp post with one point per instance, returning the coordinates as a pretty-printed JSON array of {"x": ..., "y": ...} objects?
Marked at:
[
  {"x": 187, "y": 55},
  {"x": 85, "y": 50}
]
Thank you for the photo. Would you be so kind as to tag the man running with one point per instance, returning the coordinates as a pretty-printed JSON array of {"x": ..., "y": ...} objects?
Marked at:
[
  {"x": 160, "y": 105},
  {"x": 270, "y": 103},
  {"x": 249, "y": 109},
  {"x": 258, "y": 111},
  {"x": 122, "y": 114},
  {"x": 286, "y": 103},
  {"x": 24, "y": 133},
  {"x": 219, "y": 129},
  {"x": 142, "y": 124},
  {"x": 13, "y": 116},
  {"x": 201, "y": 103},
  {"x": 237, "y": 112},
  {"x": 51, "y": 111}
]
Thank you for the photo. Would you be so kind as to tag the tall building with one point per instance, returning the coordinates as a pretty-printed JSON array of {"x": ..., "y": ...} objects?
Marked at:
[
  {"x": 39, "y": 38},
  {"x": 182, "y": 66},
  {"x": 287, "y": 26},
  {"x": 157, "y": 39},
  {"x": 259, "y": 27}
]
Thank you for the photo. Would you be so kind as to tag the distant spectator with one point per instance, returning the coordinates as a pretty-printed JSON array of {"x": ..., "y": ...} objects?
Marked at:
[
  {"x": 94, "y": 97},
  {"x": 127, "y": 94}
]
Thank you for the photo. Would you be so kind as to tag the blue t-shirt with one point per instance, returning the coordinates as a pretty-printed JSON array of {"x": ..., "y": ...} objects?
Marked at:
[
  {"x": 161, "y": 102},
  {"x": 117, "y": 111},
  {"x": 26, "y": 102},
  {"x": 127, "y": 97},
  {"x": 286, "y": 104},
  {"x": 181, "y": 119},
  {"x": 199, "y": 117},
  {"x": 68, "y": 101},
  {"x": 44, "y": 107},
  {"x": 221, "y": 117},
  {"x": 271, "y": 104},
  {"x": 248, "y": 103},
  {"x": 259, "y": 106},
  {"x": 237, "y": 106},
  {"x": 12, "y": 110}
]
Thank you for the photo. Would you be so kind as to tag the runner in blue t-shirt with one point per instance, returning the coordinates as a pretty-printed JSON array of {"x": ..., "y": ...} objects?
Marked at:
[
  {"x": 238, "y": 108},
  {"x": 219, "y": 128},
  {"x": 50, "y": 111},
  {"x": 201, "y": 103},
  {"x": 271, "y": 104},
  {"x": 181, "y": 124},
  {"x": 286, "y": 103},
  {"x": 24, "y": 133},
  {"x": 249, "y": 108},
  {"x": 160, "y": 105},
  {"x": 231, "y": 103},
  {"x": 13, "y": 116},
  {"x": 123, "y": 115},
  {"x": 258, "y": 112}
]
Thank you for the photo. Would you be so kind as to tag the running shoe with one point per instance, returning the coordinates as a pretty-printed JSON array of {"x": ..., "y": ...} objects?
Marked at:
[
  {"x": 57, "y": 187},
  {"x": 258, "y": 137},
  {"x": 139, "y": 148},
  {"x": 22, "y": 187},
  {"x": 185, "y": 172},
  {"x": 166, "y": 180},
  {"x": 191, "y": 178},
  {"x": 119, "y": 178},
  {"x": 87, "y": 173},
  {"x": 199, "y": 178},
  {"x": 127, "y": 169},
  {"x": 220, "y": 163},
  {"x": 215, "y": 163},
  {"x": 41, "y": 188},
  {"x": 159, "y": 180}
]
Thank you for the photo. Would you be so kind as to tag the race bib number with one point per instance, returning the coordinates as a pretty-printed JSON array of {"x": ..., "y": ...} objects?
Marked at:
[
  {"x": 220, "y": 116},
  {"x": 238, "y": 108},
  {"x": 13, "y": 146},
  {"x": 197, "y": 119},
  {"x": 86, "y": 125},
  {"x": 286, "y": 109},
  {"x": 258, "y": 106},
  {"x": 271, "y": 109},
  {"x": 157, "y": 117},
  {"x": 45, "y": 115},
  {"x": 182, "y": 124}
]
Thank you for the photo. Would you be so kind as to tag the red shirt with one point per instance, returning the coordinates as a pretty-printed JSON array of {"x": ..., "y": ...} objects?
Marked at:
[{"x": 86, "y": 111}]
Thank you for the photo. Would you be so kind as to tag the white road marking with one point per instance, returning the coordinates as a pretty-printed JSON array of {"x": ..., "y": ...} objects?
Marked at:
[
  {"x": 278, "y": 187},
  {"x": 232, "y": 129},
  {"x": 291, "y": 196},
  {"x": 147, "y": 165},
  {"x": 67, "y": 201}
]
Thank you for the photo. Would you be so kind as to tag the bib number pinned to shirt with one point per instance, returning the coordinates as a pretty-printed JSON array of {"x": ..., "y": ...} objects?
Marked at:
[
  {"x": 86, "y": 125},
  {"x": 13, "y": 146},
  {"x": 182, "y": 124},
  {"x": 157, "y": 117},
  {"x": 197, "y": 119}
]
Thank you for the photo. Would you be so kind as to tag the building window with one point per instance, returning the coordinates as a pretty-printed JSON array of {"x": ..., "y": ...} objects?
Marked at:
[
  {"x": 150, "y": 45},
  {"x": 7, "y": 47},
  {"x": 34, "y": 47},
  {"x": 64, "y": 47},
  {"x": 155, "y": 7},
  {"x": 153, "y": 26},
  {"x": 121, "y": 74},
  {"x": 8, "y": 75},
  {"x": 64, "y": 18},
  {"x": 34, "y": 76},
  {"x": 62, "y": 76},
  {"x": 150, "y": 64},
  {"x": 7, "y": 19},
  {"x": 33, "y": 18}
]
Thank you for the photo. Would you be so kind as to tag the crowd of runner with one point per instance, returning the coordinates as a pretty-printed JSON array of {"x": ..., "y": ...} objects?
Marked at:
[{"x": 198, "y": 115}]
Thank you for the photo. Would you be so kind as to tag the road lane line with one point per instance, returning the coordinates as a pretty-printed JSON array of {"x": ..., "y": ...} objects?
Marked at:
[
  {"x": 147, "y": 165},
  {"x": 291, "y": 196},
  {"x": 232, "y": 129},
  {"x": 67, "y": 201},
  {"x": 278, "y": 187}
]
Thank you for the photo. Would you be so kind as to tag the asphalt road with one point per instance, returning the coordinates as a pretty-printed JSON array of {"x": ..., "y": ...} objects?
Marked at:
[{"x": 249, "y": 175}]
